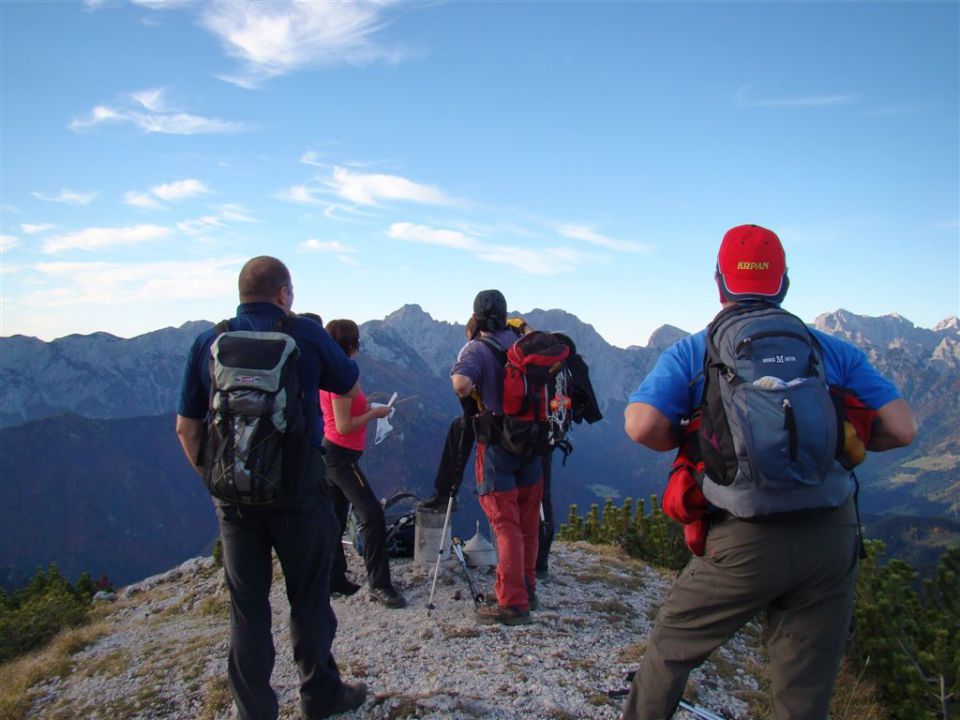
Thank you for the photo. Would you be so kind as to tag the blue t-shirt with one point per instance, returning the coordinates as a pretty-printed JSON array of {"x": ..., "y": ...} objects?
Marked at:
[
  {"x": 322, "y": 364},
  {"x": 479, "y": 362},
  {"x": 675, "y": 384}
]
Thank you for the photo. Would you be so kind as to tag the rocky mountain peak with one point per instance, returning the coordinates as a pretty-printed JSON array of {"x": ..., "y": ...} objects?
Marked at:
[
  {"x": 948, "y": 325},
  {"x": 665, "y": 336}
]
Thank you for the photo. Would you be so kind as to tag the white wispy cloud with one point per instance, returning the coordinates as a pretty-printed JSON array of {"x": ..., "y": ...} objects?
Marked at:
[
  {"x": 150, "y": 111},
  {"x": 301, "y": 194},
  {"x": 103, "y": 283},
  {"x": 589, "y": 235},
  {"x": 8, "y": 242},
  {"x": 370, "y": 188},
  {"x": 232, "y": 212},
  {"x": 744, "y": 99},
  {"x": 412, "y": 232},
  {"x": 179, "y": 190},
  {"x": 343, "y": 253},
  {"x": 275, "y": 38},
  {"x": 312, "y": 157},
  {"x": 36, "y": 228},
  {"x": 144, "y": 201},
  {"x": 70, "y": 197},
  {"x": 539, "y": 261},
  {"x": 96, "y": 238},
  {"x": 332, "y": 246},
  {"x": 169, "y": 192}
]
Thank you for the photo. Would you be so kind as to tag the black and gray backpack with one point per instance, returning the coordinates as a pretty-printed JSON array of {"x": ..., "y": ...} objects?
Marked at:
[
  {"x": 254, "y": 434},
  {"x": 770, "y": 431}
]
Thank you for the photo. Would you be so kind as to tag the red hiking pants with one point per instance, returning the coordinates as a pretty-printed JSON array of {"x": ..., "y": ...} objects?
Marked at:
[{"x": 514, "y": 489}]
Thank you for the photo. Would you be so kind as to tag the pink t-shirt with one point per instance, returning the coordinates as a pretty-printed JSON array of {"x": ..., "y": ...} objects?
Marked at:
[{"x": 355, "y": 440}]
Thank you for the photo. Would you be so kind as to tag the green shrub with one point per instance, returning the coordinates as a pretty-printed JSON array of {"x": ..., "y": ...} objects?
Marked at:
[{"x": 32, "y": 615}]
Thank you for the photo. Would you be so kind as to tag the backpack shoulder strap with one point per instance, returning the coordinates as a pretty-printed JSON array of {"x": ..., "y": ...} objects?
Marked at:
[{"x": 499, "y": 350}]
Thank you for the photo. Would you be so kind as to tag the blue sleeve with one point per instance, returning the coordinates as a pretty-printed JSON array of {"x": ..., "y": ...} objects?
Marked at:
[
  {"x": 847, "y": 366},
  {"x": 667, "y": 387},
  {"x": 338, "y": 373},
  {"x": 194, "y": 398}
]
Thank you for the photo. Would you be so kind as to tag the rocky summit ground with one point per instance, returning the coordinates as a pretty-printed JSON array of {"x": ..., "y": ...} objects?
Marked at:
[{"x": 162, "y": 645}]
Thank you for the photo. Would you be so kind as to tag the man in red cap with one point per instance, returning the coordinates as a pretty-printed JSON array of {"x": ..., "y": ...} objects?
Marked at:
[{"x": 790, "y": 551}]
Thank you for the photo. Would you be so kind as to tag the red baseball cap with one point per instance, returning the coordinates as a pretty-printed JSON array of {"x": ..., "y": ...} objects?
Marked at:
[{"x": 751, "y": 263}]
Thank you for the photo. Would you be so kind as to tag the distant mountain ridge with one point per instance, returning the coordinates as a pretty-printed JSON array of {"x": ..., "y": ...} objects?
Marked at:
[{"x": 111, "y": 385}]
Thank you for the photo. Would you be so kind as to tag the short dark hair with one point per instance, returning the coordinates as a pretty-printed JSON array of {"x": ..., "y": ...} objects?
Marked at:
[
  {"x": 262, "y": 278},
  {"x": 346, "y": 334}
]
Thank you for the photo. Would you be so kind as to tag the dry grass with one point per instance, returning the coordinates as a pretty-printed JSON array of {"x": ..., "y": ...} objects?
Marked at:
[
  {"x": 632, "y": 653},
  {"x": 452, "y": 631},
  {"x": 216, "y": 698},
  {"x": 613, "y": 607},
  {"x": 110, "y": 665},
  {"x": 855, "y": 697},
  {"x": 20, "y": 674}
]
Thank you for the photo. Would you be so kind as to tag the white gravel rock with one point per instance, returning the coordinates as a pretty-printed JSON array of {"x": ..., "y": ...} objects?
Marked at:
[{"x": 164, "y": 654}]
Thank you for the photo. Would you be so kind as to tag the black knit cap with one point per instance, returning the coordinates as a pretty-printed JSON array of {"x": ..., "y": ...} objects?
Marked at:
[{"x": 490, "y": 309}]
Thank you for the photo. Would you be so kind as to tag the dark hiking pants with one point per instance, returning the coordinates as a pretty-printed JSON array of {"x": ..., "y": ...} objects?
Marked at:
[
  {"x": 546, "y": 515},
  {"x": 348, "y": 485},
  {"x": 801, "y": 572},
  {"x": 303, "y": 539},
  {"x": 453, "y": 460}
]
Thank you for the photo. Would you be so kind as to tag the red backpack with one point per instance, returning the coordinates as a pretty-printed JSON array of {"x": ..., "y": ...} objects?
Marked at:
[{"x": 536, "y": 404}]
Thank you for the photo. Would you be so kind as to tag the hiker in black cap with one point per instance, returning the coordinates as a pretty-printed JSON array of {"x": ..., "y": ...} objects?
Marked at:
[{"x": 509, "y": 485}]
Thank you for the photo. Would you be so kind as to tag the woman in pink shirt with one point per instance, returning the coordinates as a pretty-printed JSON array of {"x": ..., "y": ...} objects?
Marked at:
[{"x": 345, "y": 437}]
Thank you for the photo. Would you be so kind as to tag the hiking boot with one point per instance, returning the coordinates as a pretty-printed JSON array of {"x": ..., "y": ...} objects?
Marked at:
[
  {"x": 343, "y": 587},
  {"x": 506, "y": 615},
  {"x": 543, "y": 572},
  {"x": 437, "y": 503},
  {"x": 388, "y": 596},
  {"x": 532, "y": 601},
  {"x": 353, "y": 697}
]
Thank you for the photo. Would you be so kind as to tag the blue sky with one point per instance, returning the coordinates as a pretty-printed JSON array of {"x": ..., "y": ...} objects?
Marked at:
[{"x": 582, "y": 156}]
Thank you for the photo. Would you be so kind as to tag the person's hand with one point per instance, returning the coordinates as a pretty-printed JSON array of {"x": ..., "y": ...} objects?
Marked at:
[{"x": 381, "y": 411}]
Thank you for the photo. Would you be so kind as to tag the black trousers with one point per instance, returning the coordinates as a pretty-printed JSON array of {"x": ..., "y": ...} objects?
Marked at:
[
  {"x": 348, "y": 485},
  {"x": 453, "y": 459},
  {"x": 546, "y": 518},
  {"x": 304, "y": 539}
]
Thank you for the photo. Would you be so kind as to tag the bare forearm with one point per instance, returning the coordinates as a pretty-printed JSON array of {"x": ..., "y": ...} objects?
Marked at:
[
  {"x": 646, "y": 425},
  {"x": 894, "y": 426},
  {"x": 190, "y": 434}
]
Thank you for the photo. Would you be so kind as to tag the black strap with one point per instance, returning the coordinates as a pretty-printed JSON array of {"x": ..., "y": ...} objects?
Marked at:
[
  {"x": 496, "y": 347},
  {"x": 856, "y": 506}
]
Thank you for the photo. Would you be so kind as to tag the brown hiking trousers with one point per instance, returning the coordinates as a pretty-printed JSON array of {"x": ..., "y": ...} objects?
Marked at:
[{"x": 800, "y": 571}]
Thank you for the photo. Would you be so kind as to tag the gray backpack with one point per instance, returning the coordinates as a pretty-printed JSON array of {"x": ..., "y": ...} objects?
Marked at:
[
  {"x": 254, "y": 434},
  {"x": 770, "y": 432}
]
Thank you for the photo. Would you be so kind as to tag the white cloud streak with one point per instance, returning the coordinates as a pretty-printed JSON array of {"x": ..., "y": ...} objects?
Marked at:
[
  {"x": 120, "y": 284},
  {"x": 371, "y": 188},
  {"x": 302, "y": 195},
  {"x": 97, "y": 238},
  {"x": 8, "y": 242},
  {"x": 180, "y": 190},
  {"x": 332, "y": 246},
  {"x": 744, "y": 100},
  {"x": 70, "y": 197},
  {"x": 540, "y": 261},
  {"x": 276, "y": 38},
  {"x": 36, "y": 228},
  {"x": 587, "y": 234},
  {"x": 144, "y": 201},
  {"x": 149, "y": 111}
]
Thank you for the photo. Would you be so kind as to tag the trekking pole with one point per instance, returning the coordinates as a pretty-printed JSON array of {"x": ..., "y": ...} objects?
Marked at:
[
  {"x": 457, "y": 545},
  {"x": 436, "y": 569},
  {"x": 695, "y": 710}
]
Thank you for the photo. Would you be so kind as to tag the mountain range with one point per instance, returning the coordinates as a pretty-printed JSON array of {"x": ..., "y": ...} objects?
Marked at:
[{"x": 95, "y": 479}]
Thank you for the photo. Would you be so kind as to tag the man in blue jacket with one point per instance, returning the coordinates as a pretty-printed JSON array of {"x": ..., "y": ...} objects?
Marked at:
[
  {"x": 799, "y": 568},
  {"x": 303, "y": 531}
]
